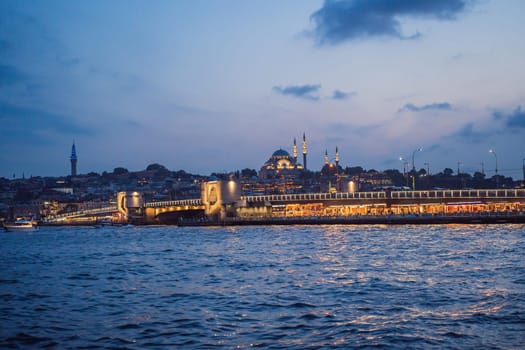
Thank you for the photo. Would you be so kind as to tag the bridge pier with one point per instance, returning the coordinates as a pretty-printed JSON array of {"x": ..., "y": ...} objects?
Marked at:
[
  {"x": 220, "y": 198},
  {"x": 131, "y": 206}
]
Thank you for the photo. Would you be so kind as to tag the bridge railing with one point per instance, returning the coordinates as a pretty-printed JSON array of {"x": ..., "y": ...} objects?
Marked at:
[
  {"x": 301, "y": 197},
  {"x": 175, "y": 203},
  {"x": 446, "y": 194},
  {"x": 451, "y": 194},
  {"x": 86, "y": 212}
]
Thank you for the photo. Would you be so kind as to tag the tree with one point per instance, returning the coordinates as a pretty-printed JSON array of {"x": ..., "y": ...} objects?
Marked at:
[
  {"x": 247, "y": 173},
  {"x": 181, "y": 174},
  {"x": 448, "y": 172},
  {"x": 395, "y": 176},
  {"x": 155, "y": 166},
  {"x": 355, "y": 170},
  {"x": 120, "y": 171},
  {"x": 479, "y": 176},
  {"x": 161, "y": 173}
]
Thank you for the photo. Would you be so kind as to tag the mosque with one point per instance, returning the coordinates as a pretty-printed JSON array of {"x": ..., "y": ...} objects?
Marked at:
[{"x": 283, "y": 166}]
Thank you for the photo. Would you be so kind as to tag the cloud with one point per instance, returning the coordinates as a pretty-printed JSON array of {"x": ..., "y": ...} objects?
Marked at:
[
  {"x": 469, "y": 134},
  {"x": 501, "y": 124},
  {"x": 344, "y": 20},
  {"x": 307, "y": 92},
  {"x": 341, "y": 95},
  {"x": 512, "y": 121},
  {"x": 36, "y": 126},
  {"x": 437, "y": 106},
  {"x": 516, "y": 119}
]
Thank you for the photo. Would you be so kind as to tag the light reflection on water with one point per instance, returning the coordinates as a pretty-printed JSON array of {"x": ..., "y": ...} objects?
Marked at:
[{"x": 282, "y": 287}]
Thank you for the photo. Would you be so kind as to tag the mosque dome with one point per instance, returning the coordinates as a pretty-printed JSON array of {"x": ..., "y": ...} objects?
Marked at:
[{"x": 280, "y": 153}]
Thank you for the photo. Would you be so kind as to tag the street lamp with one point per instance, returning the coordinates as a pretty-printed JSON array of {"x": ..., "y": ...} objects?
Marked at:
[
  {"x": 405, "y": 168},
  {"x": 413, "y": 155},
  {"x": 405, "y": 163},
  {"x": 495, "y": 156},
  {"x": 523, "y": 172},
  {"x": 459, "y": 178}
]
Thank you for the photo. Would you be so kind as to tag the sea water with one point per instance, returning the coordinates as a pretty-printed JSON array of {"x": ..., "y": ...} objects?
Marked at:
[{"x": 288, "y": 287}]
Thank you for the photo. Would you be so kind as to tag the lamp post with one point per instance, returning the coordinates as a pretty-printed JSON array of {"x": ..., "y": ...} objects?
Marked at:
[
  {"x": 459, "y": 178},
  {"x": 496, "y": 170},
  {"x": 413, "y": 155},
  {"x": 405, "y": 168},
  {"x": 523, "y": 172},
  {"x": 495, "y": 156}
]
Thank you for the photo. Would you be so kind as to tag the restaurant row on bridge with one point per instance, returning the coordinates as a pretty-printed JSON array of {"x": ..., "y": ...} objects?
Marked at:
[{"x": 222, "y": 202}]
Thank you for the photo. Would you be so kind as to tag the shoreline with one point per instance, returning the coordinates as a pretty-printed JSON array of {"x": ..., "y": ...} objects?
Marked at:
[
  {"x": 366, "y": 220},
  {"x": 484, "y": 219}
]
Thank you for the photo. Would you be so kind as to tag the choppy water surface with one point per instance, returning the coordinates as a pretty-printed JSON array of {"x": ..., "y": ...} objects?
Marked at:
[{"x": 274, "y": 287}]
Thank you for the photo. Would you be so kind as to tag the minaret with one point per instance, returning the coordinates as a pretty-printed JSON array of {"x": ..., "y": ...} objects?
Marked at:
[
  {"x": 295, "y": 151},
  {"x": 73, "y": 160},
  {"x": 304, "y": 151},
  {"x": 336, "y": 157},
  {"x": 326, "y": 160}
]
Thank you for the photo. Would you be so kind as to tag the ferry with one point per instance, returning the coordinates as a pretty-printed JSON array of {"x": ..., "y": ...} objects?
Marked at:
[{"x": 20, "y": 225}]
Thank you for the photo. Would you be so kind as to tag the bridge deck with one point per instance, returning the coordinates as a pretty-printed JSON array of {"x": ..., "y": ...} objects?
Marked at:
[{"x": 447, "y": 195}]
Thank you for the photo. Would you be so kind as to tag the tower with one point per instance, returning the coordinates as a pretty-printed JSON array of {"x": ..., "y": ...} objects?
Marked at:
[
  {"x": 73, "y": 160},
  {"x": 304, "y": 151},
  {"x": 295, "y": 151},
  {"x": 326, "y": 160},
  {"x": 336, "y": 156}
]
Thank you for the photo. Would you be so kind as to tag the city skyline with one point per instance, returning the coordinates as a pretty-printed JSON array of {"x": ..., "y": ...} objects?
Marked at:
[{"x": 212, "y": 86}]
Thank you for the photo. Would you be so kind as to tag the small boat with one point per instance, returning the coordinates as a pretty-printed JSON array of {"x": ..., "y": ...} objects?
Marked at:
[{"x": 20, "y": 225}]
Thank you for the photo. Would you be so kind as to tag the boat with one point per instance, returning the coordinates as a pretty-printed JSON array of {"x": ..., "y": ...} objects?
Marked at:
[{"x": 20, "y": 225}]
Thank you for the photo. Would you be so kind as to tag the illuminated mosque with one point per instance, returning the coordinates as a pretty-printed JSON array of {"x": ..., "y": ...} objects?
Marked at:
[{"x": 283, "y": 166}]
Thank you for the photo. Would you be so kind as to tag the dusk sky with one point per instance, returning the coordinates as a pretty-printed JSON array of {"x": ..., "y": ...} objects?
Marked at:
[{"x": 219, "y": 85}]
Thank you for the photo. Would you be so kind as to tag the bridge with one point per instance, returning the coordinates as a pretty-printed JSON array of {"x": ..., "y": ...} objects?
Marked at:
[
  {"x": 223, "y": 199},
  {"x": 87, "y": 216},
  {"x": 153, "y": 209}
]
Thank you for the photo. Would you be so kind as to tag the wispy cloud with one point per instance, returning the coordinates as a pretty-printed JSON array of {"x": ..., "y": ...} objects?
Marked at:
[
  {"x": 514, "y": 120},
  {"x": 344, "y": 20},
  {"x": 439, "y": 106},
  {"x": 469, "y": 134},
  {"x": 501, "y": 124},
  {"x": 307, "y": 92},
  {"x": 342, "y": 95}
]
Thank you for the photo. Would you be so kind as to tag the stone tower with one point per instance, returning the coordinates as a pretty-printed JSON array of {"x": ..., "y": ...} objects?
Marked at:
[{"x": 73, "y": 160}]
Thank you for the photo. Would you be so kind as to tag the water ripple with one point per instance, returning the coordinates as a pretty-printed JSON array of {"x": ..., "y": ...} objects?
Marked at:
[{"x": 301, "y": 287}]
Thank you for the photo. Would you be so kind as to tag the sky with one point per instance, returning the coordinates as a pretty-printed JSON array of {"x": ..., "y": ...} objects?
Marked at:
[{"x": 219, "y": 85}]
